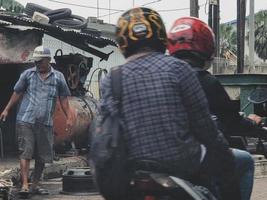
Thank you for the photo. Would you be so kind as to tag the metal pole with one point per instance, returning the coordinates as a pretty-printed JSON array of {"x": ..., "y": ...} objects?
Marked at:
[
  {"x": 241, "y": 17},
  {"x": 214, "y": 23},
  {"x": 97, "y": 7},
  {"x": 194, "y": 8},
  {"x": 251, "y": 33},
  {"x": 212, "y": 8},
  {"x": 216, "y": 27},
  {"x": 239, "y": 68},
  {"x": 109, "y": 4},
  {"x": 210, "y": 16}
]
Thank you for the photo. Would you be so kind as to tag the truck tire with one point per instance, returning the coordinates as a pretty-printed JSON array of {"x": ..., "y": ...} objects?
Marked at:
[
  {"x": 73, "y": 22},
  {"x": 78, "y": 181},
  {"x": 30, "y": 8},
  {"x": 58, "y": 14}
]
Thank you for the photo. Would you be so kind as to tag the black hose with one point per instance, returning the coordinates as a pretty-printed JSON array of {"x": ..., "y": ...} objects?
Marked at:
[
  {"x": 58, "y": 14},
  {"x": 30, "y": 8},
  {"x": 73, "y": 22},
  {"x": 59, "y": 17}
]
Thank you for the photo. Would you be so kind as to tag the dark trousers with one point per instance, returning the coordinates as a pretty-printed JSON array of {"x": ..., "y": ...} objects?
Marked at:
[{"x": 218, "y": 174}]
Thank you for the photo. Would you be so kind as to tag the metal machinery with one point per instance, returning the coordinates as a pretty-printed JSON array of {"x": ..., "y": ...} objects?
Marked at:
[
  {"x": 75, "y": 68},
  {"x": 20, "y": 34}
]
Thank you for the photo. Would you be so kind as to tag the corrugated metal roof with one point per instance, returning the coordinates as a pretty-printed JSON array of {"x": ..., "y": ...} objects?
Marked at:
[{"x": 83, "y": 41}]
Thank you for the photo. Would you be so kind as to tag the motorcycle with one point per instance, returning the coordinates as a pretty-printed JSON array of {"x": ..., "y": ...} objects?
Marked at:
[
  {"x": 258, "y": 97},
  {"x": 151, "y": 185}
]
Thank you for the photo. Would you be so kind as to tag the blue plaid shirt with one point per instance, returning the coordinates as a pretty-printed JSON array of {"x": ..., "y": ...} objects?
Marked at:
[
  {"x": 39, "y": 98},
  {"x": 164, "y": 109}
]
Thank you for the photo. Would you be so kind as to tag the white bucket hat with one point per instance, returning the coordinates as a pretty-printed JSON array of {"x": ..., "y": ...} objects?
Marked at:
[{"x": 41, "y": 52}]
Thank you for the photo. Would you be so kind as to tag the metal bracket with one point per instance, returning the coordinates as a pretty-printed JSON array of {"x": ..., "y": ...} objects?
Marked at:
[{"x": 213, "y": 2}]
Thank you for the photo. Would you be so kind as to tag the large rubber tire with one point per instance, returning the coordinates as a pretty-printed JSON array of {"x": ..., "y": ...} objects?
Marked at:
[
  {"x": 58, "y": 14},
  {"x": 73, "y": 22},
  {"x": 30, "y": 8},
  {"x": 78, "y": 181}
]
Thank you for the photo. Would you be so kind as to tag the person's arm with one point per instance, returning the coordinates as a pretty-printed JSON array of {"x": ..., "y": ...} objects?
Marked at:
[
  {"x": 64, "y": 93},
  {"x": 64, "y": 102},
  {"x": 221, "y": 105},
  {"x": 204, "y": 129},
  {"x": 13, "y": 101},
  {"x": 107, "y": 105},
  {"x": 196, "y": 104},
  {"x": 219, "y": 101}
]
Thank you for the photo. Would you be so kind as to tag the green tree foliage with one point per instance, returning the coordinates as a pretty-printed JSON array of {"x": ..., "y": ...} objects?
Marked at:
[
  {"x": 228, "y": 41},
  {"x": 11, "y": 6},
  {"x": 261, "y": 34}
]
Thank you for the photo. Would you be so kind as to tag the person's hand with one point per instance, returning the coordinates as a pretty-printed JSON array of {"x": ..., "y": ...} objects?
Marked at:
[
  {"x": 3, "y": 116},
  {"x": 69, "y": 125},
  {"x": 256, "y": 118}
]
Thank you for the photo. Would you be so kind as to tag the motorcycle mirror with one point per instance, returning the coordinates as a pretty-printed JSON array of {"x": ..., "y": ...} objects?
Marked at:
[{"x": 257, "y": 96}]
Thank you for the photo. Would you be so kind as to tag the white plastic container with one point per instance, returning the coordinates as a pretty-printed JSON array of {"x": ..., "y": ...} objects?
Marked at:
[{"x": 40, "y": 18}]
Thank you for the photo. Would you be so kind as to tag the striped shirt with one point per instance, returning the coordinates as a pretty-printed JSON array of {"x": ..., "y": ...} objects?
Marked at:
[
  {"x": 164, "y": 109},
  {"x": 39, "y": 98}
]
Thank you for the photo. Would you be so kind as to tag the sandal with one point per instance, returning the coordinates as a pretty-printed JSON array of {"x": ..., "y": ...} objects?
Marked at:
[
  {"x": 24, "y": 192},
  {"x": 39, "y": 191}
]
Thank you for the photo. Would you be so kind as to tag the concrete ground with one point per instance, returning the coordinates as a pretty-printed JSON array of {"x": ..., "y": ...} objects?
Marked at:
[
  {"x": 55, "y": 186},
  {"x": 259, "y": 190},
  {"x": 9, "y": 166}
]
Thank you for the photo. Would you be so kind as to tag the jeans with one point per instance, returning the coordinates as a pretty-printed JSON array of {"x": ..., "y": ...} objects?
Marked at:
[
  {"x": 219, "y": 175},
  {"x": 245, "y": 169}
]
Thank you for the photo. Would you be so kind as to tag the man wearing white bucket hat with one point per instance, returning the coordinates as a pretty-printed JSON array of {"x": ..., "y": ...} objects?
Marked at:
[{"x": 38, "y": 89}]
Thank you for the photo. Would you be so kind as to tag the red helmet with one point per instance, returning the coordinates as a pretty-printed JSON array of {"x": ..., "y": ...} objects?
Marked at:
[{"x": 191, "y": 34}]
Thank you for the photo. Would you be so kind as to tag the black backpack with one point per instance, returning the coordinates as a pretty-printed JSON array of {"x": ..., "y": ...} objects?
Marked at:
[{"x": 108, "y": 154}]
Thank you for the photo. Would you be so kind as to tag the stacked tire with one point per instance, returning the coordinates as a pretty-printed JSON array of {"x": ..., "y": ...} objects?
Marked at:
[
  {"x": 59, "y": 17},
  {"x": 30, "y": 8},
  {"x": 58, "y": 14},
  {"x": 78, "y": 181},
  {"x": 73, "y": 21}
]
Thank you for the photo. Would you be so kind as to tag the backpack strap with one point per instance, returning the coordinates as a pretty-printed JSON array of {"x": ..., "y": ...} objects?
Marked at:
[{"x": 116, "y": 84}]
